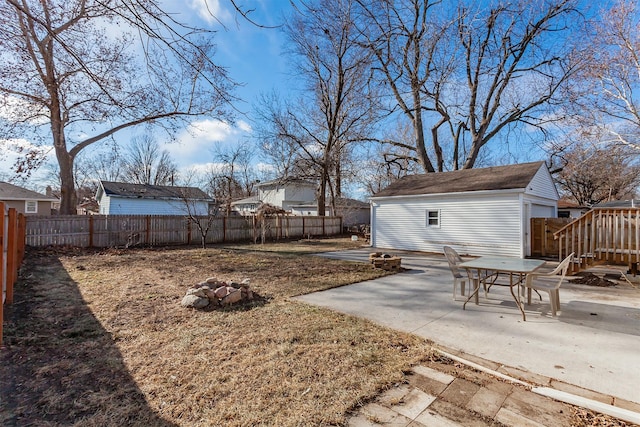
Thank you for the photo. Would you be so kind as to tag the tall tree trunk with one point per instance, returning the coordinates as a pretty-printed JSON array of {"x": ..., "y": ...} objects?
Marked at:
[
  {"x": 65, "y": 160},
  {"x": 418, "y": 130},
  {"x": 322, "y": 191},
  {"x": 67, "y": 185}
]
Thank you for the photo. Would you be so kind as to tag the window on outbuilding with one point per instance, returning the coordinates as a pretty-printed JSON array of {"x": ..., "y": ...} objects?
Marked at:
[
  {"x": 433, "y": 218},
  {"x": 31, "y": 206}
]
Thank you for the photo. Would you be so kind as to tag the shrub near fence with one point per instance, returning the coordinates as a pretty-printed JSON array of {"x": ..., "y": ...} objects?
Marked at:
[
  {"x": 12, "y": 229},
  {"x": 129, "y": 230}
]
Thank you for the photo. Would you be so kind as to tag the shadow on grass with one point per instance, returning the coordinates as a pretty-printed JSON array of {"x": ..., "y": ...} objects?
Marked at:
[{"x": 59, "y": 366}]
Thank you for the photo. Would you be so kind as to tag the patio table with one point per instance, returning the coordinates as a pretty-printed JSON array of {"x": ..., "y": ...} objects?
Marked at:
[{"x": 512, "y": 266}]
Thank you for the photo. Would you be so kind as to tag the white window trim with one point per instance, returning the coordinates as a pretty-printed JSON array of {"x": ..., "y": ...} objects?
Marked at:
[
  {"x": 26, "y": 206},
  {"x": 439, "y": 219}
]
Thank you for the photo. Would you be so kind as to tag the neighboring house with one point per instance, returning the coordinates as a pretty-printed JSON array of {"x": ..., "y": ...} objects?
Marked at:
[
  {"x": 285, "y": 193},
  {"x": 119, "y": 198},
  {"x": 353, "y": 212},
  {"x": 484, "y": 211},
  {"x": 281, "y": 193},
  {"x": 88, "y": 206},
  {"x": 633, "y": 203},
  {"x": 567, "y": 209},
  {"x": 26, "y": 201},
  {"x": 247, "y": 206}
]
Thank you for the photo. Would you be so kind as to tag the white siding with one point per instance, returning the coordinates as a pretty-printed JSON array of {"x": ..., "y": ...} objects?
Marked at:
[
  {"x": 273, "y": 196},
  {"x": 542, "y": 185},
  {"x": 542, "y": 211},
  {"x": 105, "y": 204},
  {"x": 475, "y": 225},
  {"x": 129, "y": 206},
  {"x": 299, "y": 194},
  {"x": 286, "y": 195}
]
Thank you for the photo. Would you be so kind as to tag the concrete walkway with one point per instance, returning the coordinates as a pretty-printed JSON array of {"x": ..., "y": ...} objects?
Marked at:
[{"x": 591, "y": 349}]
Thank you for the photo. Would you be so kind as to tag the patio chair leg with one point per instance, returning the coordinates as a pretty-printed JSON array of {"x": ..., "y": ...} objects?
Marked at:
[{"x": 552, "y": 300}]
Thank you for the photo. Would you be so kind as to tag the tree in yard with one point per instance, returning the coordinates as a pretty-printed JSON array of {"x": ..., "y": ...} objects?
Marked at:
[
  {"x": 469, "y": 73},
  {"x": 336, "y": 108},
  {"x": 386, "y": 163},
  {"x": 145, "y": 163},
  {"x": 189, "y": 200},
  {"x": 591, "y": 173},
  {"x": 232, "y": 175},
  {"x": 611, "y": 81},
  {"x": 402, "y": 37},
  {"x": 75, "y": 72}
]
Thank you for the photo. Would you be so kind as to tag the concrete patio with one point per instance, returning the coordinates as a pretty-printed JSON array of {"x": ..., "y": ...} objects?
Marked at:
[{"x": 592, "y": 348}]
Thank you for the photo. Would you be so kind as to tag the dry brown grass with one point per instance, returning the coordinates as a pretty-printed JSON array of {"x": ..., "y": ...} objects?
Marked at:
[{"x": 101, "y": 339}]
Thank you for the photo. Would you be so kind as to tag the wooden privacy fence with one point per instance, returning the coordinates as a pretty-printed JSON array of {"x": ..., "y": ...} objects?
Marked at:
[
  {"x": 543, "y": 242},
  {"x": 129, "y": 230},
  {"x": 12, "y": 231},
  {"x": 603, "y": 234}
]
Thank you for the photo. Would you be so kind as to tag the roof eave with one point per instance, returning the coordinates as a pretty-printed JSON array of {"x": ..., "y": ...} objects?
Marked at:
[{"x": 476, "y": 192}]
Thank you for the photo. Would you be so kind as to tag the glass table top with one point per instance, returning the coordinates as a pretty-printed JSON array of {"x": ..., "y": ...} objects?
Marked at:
[{"x": 509, "y": 264}]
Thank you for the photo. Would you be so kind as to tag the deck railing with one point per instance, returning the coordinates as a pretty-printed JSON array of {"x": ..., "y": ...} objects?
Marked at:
[{"x": 610, "y": 235}]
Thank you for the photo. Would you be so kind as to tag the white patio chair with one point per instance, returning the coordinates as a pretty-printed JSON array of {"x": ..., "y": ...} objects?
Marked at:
[
  {"x": 454, "y": 259},
  {"x": 458, "y": 275},
  {"x": 553, "y": 288}
]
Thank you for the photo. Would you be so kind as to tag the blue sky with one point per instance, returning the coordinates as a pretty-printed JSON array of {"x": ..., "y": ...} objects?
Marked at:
[{"x": 254, "y": 58}]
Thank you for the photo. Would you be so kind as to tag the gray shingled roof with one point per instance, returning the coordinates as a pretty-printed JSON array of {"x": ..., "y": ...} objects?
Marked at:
[
  {"x": 285, "y": 181},
  {"x": 13, "y": 192},
  {"x": 147, "y": 191},
  {"x": 341, "y": 202},
  {"x": 492, "y": 178}
]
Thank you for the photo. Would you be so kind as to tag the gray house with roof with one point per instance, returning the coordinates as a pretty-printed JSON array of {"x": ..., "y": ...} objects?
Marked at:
[
  {"x": 120, "y": 198},
  {"x": 26, "y": 201},
  {"x": 485, "y": 211}
]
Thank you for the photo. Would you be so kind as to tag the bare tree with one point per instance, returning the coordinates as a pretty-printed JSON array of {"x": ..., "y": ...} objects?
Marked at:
[
  {"x": 386, "y": 163},
  {"x": 611, "y": 81},
  {"x": 145, "y": 163},
  {"x": 469, "y": 73},
  {"x": 232, "y": 175},
  {"x": 66, "y": 72},
  {"x": 403, "y": 37},
  {"x": 336, "y": 108},
  {"x": 591, "y": 172}
]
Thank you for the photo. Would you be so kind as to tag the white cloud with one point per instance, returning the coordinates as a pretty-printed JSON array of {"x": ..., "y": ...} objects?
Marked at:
[
  {"x": 211, "y": 11},
  {"x": 196, "y": 144},
  {"x": 211, "y": 130}
]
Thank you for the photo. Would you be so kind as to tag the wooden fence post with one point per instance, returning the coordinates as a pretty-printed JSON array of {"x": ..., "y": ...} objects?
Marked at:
[
  {"x": 22, "y": 241},
  {"x": 147, "y": 234},
  {"x": 2, "y": 269},
  {"x": 90, "y": 231},
  {"x": 12, "y": 254}
]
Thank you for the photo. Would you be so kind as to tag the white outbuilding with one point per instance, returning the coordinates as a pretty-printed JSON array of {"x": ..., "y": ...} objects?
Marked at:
[{"x": 485, "y": 211}]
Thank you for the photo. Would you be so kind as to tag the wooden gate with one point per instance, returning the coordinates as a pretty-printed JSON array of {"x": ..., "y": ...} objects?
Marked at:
[{"x": 542, "y": 242}]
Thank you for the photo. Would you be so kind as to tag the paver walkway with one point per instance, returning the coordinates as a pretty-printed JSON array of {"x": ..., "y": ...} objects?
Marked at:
[{"x": 464, "y": 397}]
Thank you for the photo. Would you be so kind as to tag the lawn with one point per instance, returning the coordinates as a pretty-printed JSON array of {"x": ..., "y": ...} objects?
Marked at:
[{"x": 99, "y": 338}]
